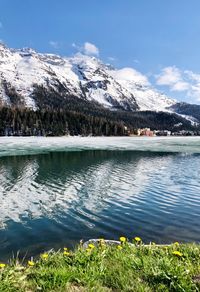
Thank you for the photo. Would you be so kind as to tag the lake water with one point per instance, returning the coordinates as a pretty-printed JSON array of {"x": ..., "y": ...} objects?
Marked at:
[{"x": 56, "y": 191}]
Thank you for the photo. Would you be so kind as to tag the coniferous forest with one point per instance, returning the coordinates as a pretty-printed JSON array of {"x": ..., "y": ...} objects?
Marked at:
[
  {"x": 26, "y": 122},
  {"x": 59, "y": 122},
  {"x": 59, "y": 115}
]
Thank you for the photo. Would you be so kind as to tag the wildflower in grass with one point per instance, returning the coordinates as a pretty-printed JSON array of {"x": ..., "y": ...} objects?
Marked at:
[
  {"x": 66, "y": 253},
  {"x": 119, "y": 247},
  {"x": 177, "y": 253},
  {"x": 44, "y": 256},
  {"x": 122, "y": 239},
  {"x": 91, "y": 246},
  {"x": 2, "y": 265},
  {"x": 176, "y": 243},
  {"x": 65, "y": 249},
  {"x": 138, "y": 239},
  {"x": 31, "y": 263}
]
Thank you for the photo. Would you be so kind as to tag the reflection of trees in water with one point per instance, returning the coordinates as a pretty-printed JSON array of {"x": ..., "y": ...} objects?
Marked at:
[{"x": 82, "y": 182}]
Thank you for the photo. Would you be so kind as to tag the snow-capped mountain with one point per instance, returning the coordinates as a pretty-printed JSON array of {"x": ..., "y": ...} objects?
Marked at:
[
  {"x": 146, "y": 97},
  {"x": 80, "y": 76}
]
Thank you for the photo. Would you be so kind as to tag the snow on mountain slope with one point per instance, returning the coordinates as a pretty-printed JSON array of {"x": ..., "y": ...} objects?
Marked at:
[
  {"x": 146, "y": 97},
  {"x": 20, "y": 72},
  {"x": 21, "y": 69},
  {"x": 99, "y": 85},
  {"x": 81, "y": 76}
]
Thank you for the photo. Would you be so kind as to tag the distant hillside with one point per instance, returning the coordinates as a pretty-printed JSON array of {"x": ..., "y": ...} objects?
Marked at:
[{"x": 30, "y": 81}]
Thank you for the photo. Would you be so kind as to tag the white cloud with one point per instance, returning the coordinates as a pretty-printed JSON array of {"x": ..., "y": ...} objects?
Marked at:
[
  {"x": 54, "y": 44},
  {"x": 178, "y": 80},
  {"x": 169, "y": 76},
  {"x": 194, "y": 90},
  {"x": 192, "y": 76},
  {"x": 76, "y": 47},
  {"x": 136, "y": 61},
  {"x": 180, "y": 86},
  {"x": 90, "y": 49},
  {"x": 130, "y": 74},
  {"x": 174, "y": 78},
  {"x": 112, "y": 59},
  {"x": 87, "y": 49}
]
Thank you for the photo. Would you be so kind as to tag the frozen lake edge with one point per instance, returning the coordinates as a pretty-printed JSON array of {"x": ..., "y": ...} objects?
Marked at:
[{"x": 11, "y": 146}]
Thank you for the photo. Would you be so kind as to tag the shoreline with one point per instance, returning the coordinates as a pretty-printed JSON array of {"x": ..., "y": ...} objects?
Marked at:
[
  {"x": 104, "y": 267},
  {"x": 11, "y": 146},
  {"x": 124, "y": 136}
]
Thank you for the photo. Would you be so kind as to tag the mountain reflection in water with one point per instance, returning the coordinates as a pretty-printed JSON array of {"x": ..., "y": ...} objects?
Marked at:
[{"x": 56, "y": 199}]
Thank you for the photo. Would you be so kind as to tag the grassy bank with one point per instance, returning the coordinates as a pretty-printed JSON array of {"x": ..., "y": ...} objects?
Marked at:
[{"x": 107, "y": 268}]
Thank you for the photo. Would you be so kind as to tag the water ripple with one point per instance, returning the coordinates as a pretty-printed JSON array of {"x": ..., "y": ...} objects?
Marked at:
[{"x": 57, "y": 198}]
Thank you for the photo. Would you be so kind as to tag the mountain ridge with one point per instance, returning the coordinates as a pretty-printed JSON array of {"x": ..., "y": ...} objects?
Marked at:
[{"x": 22, "y": 71}]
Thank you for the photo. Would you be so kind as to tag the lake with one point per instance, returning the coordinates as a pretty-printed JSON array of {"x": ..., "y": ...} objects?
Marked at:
[{"x": 56, "y": 191}]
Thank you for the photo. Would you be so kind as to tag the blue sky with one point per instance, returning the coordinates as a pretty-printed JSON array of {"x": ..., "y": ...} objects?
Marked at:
[{"x": 158, "y": 38}]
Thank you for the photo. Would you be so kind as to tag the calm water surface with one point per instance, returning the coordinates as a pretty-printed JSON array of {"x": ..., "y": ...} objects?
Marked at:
[{"x": 55, "y": 198}]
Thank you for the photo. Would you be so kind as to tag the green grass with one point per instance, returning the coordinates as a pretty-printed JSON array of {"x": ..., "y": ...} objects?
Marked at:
[{"x": 107, "y": 268}]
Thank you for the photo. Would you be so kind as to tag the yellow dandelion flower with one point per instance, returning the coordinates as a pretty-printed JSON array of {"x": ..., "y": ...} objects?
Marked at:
[
  {"x": 44, "y": 256},
  {"x": 176, "y": 243},
  {"x": 2, "y": 265},
  {"x": 122, "y": 239},
  {"x": 119, "y": 247},
  {"x": 66, "y": 253},
  {"x": 90, "y": 245},
  {"x": 138, "y": 239},
  {"x": 65, "y": 248},
  {"x": 177, "y": 253},
  {"x": 31, "y": 263}
]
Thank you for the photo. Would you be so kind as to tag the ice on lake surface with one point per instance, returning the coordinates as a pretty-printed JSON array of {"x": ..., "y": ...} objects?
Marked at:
[{"x": 32, "y": 145}]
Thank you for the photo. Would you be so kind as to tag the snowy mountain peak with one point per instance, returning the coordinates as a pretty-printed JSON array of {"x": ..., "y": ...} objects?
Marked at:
[
  {"x": 22, "y": 70},
  {"x": 25, "y": 51}
]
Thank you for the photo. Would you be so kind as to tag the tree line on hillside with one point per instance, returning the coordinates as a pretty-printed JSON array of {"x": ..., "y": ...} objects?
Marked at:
[
  {"x": 49, "y": 98},
  {"x": 64, "y": 114},
  {"x": 58, "y": 122},
  {"x": 48, "y": 122}
]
